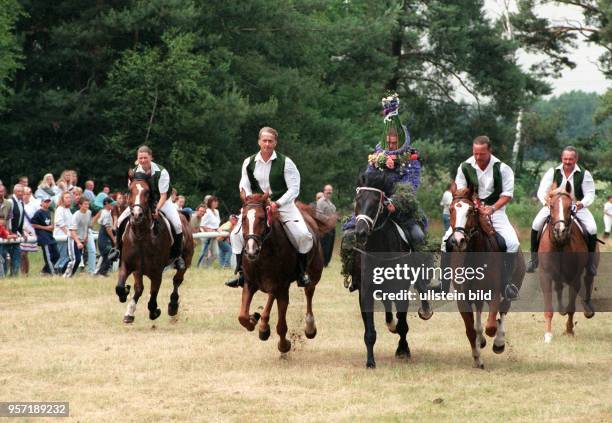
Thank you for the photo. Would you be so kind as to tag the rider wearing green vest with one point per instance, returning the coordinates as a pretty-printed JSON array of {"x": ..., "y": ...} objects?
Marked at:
[
  {"x": 159, "y": 182},
  {"x": 583, "y": 194}
]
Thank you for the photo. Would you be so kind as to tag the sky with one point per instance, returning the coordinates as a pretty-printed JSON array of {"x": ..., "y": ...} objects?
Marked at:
[{"x": 585, "y": 76}]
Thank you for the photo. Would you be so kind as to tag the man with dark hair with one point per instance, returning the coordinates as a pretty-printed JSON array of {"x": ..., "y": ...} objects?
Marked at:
[
  {"x": 42, "y": 224},
  {"x": 493, "y": 182},
  {"x": 583, "y": 194},
  {"x": 16, "y": 226}
]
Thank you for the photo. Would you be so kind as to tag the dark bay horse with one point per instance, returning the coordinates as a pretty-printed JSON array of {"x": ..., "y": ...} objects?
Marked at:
[
  {"x": 473, "y": 233},
  {"x": 146, "y": 252},
  {"x": 563, "y": 256},
  {"x": 269, "y": 264},
  {"x": 376, "y": 233}
]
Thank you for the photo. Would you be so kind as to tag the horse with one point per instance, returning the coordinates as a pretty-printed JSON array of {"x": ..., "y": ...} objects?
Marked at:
[
  {"x": 563, "y": 255},
  {"x": 270, "y": 265},
  {"x": 146, "y": 252},
  {"x": 376, "y": 233},
  {"x": 473, "y": 232}
]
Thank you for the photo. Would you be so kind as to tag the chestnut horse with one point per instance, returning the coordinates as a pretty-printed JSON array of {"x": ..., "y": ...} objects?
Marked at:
[
  {"x": 563, "y": 256},
  {"x": 146, "y": 251},
  {"x": 270, "y": 263},
  {"x": 473, "y": 233}
]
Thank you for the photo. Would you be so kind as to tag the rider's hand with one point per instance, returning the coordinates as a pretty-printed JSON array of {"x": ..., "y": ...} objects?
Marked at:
[
  {"x": 273, "y": 207},
  {"x": 391, "y": 207},
  {"x": 487, "y": 210},
  {"x": 579, "y": 205}
]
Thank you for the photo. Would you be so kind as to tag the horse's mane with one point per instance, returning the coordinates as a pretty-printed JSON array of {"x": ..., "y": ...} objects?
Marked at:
[
  {"x": 463, "y": 192},
  {"x": 376, "y": 179},
  {"x": 323, "y": 224}
]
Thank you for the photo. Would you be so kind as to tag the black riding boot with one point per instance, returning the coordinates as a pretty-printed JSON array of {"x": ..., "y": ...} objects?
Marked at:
[
  {"x": 592, "y": 244},
  {"x": 303, "y": 279},
  {"x": 533, "y": 262},
  {"x": 509, "y": 290},
  {"x": 177, "y": 252},
  {"x": 239, "y": 281},
  {"x": 115, "y": 252}
]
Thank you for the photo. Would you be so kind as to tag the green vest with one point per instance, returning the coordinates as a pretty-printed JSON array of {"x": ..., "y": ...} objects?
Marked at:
[
  {"x": 578, "y": 178},
  {"x": 154, "y": 185},
  {"x": 278, "y": 185},
  {"x": 472, "y": 181}
]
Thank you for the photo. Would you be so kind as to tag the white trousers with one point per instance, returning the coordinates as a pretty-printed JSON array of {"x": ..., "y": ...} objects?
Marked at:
[
  {"x": 170, "y": 211},
  {"x": 502, "y": 226},
  {"x": 607, "y": 223},
  {"x": 584, "y": 215},
  {"x": 293, "y": 223}
]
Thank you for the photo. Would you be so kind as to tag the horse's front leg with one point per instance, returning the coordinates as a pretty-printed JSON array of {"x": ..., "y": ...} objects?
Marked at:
[
  {"x": 122, "y": 290},
  {"x": 425, "y": 312},
  {"x": 499, "y": 343},
  {"x": 154, "y": 311},
  {"x": 310, "y": 327},
  {"x": 177, "y": 280},
  {"x": 264, "y": 322},
  {"x": 402, "y": 350},
  {"x": 246, "y": 320},
  {"x": 546, "y": 286},
  {"x": 390, "y": 318},
  {"x": 491, "y": 325},
  {"x": 589, "y": 309},
  {"x": 138, "y": 290},
  {"x": 282, "y": 302},
  {"x": 571, "y": 308},
  {"x": 369, "y": 336}
]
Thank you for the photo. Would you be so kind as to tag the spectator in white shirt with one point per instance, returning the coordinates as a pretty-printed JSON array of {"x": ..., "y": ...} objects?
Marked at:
[
  {"x": 30, "y": 206},
  {"x": 447, "y": 199},
  {"x": 608, "y": 217},
  {"x": 210, "y": 223},
  {"x": 63, "y": 219}
]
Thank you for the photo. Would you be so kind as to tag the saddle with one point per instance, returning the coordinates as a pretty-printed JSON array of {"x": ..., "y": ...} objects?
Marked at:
[
  {"x": 575, "y": 220},
  {"x": 487, "y": 228},
  {"x": 164, "y": 220}
]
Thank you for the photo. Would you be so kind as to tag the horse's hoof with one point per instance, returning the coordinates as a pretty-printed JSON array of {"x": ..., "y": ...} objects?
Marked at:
[
  {"x": 483, "y": 342},
  {"x": 563, "y": 311},
  {"x": 589, "y": 310},
  {"x": 548, "y": 336},
  {"x": 312, "y": 334},
  {"x": 589, "y": 314},
  {"x": 371, "y": 365},
  {"x": 425, "y": 314},
  {"x": 128, "y": 319},
  {"x": 172, "y": 309},
  {"x": 284, "y": 346},
  {"x": 402, "y": 354},
  {"x": 154, "y": 314},
  {"x": 499, "y": 349},
  {"x": 255, "y": 317},
  {"x": 264, "y": 335},
  {"x": 491, "y": 331},
  {"x": 122, "y": 292}
]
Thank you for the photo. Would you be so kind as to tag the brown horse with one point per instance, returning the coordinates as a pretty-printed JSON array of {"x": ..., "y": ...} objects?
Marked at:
[
  {"x": 473, "y": 233},
  {"x": 563, "y": 256},
  {"x": 146, "y": 251},
  {"x": 270, "y": 265}
]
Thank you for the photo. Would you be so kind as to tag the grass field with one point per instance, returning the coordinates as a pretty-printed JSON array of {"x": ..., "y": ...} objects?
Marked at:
[{"x": 63, "y": 340}]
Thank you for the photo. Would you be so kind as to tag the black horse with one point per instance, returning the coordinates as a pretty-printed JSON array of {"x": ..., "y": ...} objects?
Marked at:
[{"x": 375, "y": 232}]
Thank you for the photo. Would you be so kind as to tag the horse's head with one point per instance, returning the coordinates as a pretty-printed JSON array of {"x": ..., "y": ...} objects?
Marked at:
[
  {"x": 560, "y": 205},
  {"x": 463, "y": 218},
  {"x": 255, "y": 222},
  {"x": 372, "y": 191},
  {"x": 138, "y": 201}
]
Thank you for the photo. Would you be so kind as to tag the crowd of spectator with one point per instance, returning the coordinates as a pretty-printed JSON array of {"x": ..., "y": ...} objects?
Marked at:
[{"x": 62, "y": 216}]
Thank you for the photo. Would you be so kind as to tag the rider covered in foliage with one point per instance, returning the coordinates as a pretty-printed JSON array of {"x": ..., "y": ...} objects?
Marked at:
[{"x": 395, "y": 157}]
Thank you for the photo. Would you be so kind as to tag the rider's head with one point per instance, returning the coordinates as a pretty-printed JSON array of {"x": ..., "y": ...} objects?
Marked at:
[
  {"x": 144, "y": 156},
  {"x": 392, "y": 139},
  {"x": 569, "y": 157},
  {"x": 268, "y": 138},
  {"x": 481, "y": 149}
]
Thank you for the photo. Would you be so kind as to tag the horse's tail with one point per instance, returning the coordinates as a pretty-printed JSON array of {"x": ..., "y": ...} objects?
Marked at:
[{"x": 322, "y": 224}]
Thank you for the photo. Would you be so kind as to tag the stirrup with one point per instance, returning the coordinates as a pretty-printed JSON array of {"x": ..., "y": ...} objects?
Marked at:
[
  {"x": 237, "y": 282},
  {"x": 511, "y": 292},
  {"x": 113, "y": 254},
  {"x": 532, "y": 266},
  {"x": 179, "y": 263},
  {"x": 303, "y": 280}
]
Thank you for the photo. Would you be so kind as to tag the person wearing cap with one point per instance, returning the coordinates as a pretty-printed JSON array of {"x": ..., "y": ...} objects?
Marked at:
[
  {"x": 106, "y": 238},
  {"x": 43, "y": 226},
  {"x": 63, "y": 219}
]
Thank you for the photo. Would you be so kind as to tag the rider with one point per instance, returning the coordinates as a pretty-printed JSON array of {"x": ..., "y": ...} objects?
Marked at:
[
  {"x": 269, "y": 171},
  {"x": 160, "y": 186},
  {"x": 582, "y": 192},
  {"x": 493, "y": 181}
]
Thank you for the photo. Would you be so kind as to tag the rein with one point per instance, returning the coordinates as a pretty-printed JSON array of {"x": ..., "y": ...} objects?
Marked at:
[
  {"x": 473, "y": 209},
  {"x": 259, "y": 239},
  {"x": 371, "y": 222}
]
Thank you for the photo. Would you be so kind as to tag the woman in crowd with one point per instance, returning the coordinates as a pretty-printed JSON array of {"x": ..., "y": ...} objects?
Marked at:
[
  {"x": 47, "y": 188},
  {"x": 210, "y": 223}
]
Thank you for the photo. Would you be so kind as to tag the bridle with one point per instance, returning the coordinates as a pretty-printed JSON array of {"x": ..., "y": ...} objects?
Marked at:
[
  {"x": 259, "y": 239},
  {"x": 472, "y": 205},
  {"x": 568, "y": 223},
  {"x": 371, "y": 222}
]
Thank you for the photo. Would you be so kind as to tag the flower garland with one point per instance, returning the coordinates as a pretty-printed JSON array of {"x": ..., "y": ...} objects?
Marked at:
[{"x": 383, "y": 160}]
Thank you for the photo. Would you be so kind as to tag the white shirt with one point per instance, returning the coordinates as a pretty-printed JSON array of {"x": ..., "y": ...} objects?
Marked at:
[
  {"x": 447, "y": 199},
  {"x": 105, "y": 218},
  {"x": 211, "y": 220},
  {"x": 262, "y": 175},
  {"x": 588, "y": 185},
  {"x": 63, "y": 220},
  {"x": 485, "y": 178},
  {"x": 608, "y": 209},
  {"x": 164, "y": 178}
]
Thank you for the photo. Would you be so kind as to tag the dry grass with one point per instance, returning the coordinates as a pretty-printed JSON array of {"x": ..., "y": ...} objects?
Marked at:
[{"x": 64, "y": 340}]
